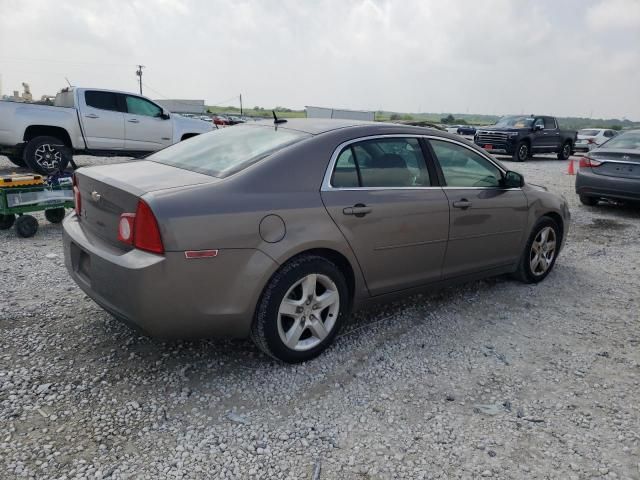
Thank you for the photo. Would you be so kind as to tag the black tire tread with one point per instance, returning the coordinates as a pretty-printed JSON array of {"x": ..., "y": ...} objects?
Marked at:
[
  {"x": 521, "y": 273},
  {"x": 258, "y": 333}
]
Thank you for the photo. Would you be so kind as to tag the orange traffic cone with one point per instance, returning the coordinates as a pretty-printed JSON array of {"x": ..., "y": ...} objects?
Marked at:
[{"x": 571, "y": 170}]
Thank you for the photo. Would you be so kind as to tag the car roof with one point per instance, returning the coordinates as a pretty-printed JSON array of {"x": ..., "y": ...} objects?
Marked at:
[{"x": 317, "y": 126}]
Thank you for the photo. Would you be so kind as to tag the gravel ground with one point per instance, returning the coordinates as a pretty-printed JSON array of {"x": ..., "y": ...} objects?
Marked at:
[{"x": 493, "y": 379}]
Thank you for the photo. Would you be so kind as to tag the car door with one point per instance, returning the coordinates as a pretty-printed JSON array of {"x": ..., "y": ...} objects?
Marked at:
[
  {"x": 487, "y": 221},
  {"x": 146, "y": 129},
  {"x": 551, "y": 134},
  {"x": 379, "y": 192},
  {"x": 538, "y": 141},
  {"x": 102, "y": 120}
]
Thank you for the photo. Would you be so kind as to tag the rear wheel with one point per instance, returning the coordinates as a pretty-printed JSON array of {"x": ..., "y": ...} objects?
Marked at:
[
  {"x": 565, "y": 152},
  {"x": 521, "y": 152},
  {"x": 26, "y": 226},
  {"x": 540, "y": 252},
  {"x": 55, "y": 215},
  {"x": 589, "y": 201},
  {"x": 46, "y": 155},
  {"x": 301, "y": 309},
  {"x": 6, "y": 221}
]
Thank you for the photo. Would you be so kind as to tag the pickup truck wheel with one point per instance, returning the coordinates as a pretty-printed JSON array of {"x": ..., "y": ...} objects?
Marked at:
[
  {"x": 565, "y": 153},
  {"x": 46, "y": 155},
  {"x": 521, "y": 153}
]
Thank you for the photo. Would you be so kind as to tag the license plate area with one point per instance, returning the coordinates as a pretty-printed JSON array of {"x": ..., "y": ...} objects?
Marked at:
[
  {"x": 81, "y": 262},
  {"x": 488, "y": 147}
]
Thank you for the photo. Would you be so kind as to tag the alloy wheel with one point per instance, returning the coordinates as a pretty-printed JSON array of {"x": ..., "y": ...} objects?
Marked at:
[
  {"x": 48, "y": 157},
  {"x": 523, "y": 152},
  {"x": 308, "y": 312},
  {"x": 543, "y": 251}
]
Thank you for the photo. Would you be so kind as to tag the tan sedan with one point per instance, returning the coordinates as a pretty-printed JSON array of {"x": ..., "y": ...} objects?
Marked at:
[{"x": 278, "y": 230}]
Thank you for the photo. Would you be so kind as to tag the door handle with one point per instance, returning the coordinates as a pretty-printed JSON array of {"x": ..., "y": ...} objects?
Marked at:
[
  {"x": 92, "y": 115},
  {"x": 359, "y": 210},
  {"x": 463, "y": 204},
  {"x": 133, "y": 120}
]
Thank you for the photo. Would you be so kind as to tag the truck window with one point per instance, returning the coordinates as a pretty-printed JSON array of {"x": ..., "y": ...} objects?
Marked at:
[
  {"x": 539, "y": 121},
  {"x": 549, "y": 123},
  {"x": 102, "y": 100},
  {"x": 140, "y": 106}
]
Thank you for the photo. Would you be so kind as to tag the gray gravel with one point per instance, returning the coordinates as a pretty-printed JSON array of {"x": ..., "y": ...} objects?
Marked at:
[{"x": 494, "y": 379}]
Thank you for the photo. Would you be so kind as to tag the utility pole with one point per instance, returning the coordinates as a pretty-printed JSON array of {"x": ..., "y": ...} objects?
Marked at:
[
  {"x": 240, "y": 104},
  {"x": 139, "y": 74}
]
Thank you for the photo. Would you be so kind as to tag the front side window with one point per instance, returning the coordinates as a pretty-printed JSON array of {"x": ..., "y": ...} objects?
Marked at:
[
  {"x": 140, "y": 106},
  {"x": 462, "y": 167},
  {"x": 102, "y": 100},
  {"x": 538, "y": 122},
  {"x": 221, "y": 153},
  {"x": 384, "y": 162}
]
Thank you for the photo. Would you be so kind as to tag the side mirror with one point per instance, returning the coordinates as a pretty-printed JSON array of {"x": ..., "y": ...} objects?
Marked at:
[
  {"x": 537, "y": 128},
  {"x": 512, "y": 180}
]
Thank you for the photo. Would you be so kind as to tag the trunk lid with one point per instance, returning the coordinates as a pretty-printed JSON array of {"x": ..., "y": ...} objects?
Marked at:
[
  {"x": 107, "y": 191},
  {"x": 617, "y": 163}
]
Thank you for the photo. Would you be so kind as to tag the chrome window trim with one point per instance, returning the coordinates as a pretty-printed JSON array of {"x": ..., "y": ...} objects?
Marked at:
[{"x": 326, "y": 181}]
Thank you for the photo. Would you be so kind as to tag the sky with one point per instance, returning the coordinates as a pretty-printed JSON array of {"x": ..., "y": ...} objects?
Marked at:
[{"x": 556, "y": 57}]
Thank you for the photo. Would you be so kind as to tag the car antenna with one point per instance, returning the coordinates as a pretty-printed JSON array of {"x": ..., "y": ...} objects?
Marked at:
[{"x": 277, "y": 120}]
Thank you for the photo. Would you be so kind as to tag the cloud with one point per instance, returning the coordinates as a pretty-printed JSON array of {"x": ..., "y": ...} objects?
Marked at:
[
  {"x": 614, "y": 14},
  {"x": 485, "y": 56}
]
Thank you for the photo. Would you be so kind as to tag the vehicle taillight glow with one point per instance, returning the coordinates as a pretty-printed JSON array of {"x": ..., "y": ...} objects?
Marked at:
[
  {"x": 77, "y": 201},
  {"x": 141, "y": 229},
  {"x": 588, "y": 162},
  {"x": 591, "y": 140}
]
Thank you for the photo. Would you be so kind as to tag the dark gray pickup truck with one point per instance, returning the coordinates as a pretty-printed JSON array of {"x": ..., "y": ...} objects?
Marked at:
[{"x": 522, "y": 136}]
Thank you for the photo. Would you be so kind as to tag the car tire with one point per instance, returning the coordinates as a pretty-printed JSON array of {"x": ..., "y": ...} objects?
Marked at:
[
  {"x": 46, "y": 155},
  {"x": 538, "y": 259},
  {"x": 588, "y": 201},
  {"x": 565, "y": 152},
  {"x": 6, "y": 221},
  {"x": 55, "y": 215},
  {"x": 26, "y": 226},
  {"x": 521, "y": 153},
  {"x": 289, "y": 307}
]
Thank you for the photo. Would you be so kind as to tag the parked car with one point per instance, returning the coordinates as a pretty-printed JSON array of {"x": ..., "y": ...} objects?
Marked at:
[
  {"x": 276, "y": 231},
  {"x": 466, "y": 130},
  {"x": 611, "y": 171},
  {"x": 221, "y": 120},
  {"x": 89, "y": 122},
  {"x": 521, "y": 137},
  {"x": 590, "y": 138}
]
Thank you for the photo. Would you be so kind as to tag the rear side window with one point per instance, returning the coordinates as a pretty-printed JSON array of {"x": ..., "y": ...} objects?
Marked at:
[
  {"x": 380, "y": 163},
  {"x": 549, "y": 123},
  {"x": 102, "y": 100},
  {"x": 223, "y": 152}
]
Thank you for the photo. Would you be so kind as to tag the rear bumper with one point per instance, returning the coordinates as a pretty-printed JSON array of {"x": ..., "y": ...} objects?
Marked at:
[
  {"x": 594, "y": 185},
  {"x": 167, "y": 295}
]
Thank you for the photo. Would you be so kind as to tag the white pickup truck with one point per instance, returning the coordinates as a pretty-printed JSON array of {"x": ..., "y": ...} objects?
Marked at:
[{"x": 88, "y": 121}]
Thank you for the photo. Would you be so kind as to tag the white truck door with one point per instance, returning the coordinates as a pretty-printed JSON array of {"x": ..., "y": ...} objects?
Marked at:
[
  {"x": 145, "y": 127},
  {"x": 102, "y": 119}
]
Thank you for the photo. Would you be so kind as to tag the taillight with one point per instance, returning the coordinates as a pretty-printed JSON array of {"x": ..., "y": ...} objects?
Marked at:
[
  {"x": 77, "y": 201},
  {"x": 591, "y": 140},
  {"x": 141, "y": 229},
  {"x": 588, "y": 162}
]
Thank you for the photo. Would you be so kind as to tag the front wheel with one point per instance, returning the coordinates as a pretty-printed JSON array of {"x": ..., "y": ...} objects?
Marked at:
[
  {"x": 565, "y": 153},
  {"x": 540, "y": 252},
  {"x": 521, "y": 152},
  {"x": 46, "y": 155},
  {"x": 301, "y": 309}
]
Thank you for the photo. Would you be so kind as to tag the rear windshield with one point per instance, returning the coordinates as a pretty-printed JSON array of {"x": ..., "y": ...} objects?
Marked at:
[
  {"x": 589, "y": 133},
  {"x": 624, "y": 141},
  {"x": 226, "y": 151}
]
